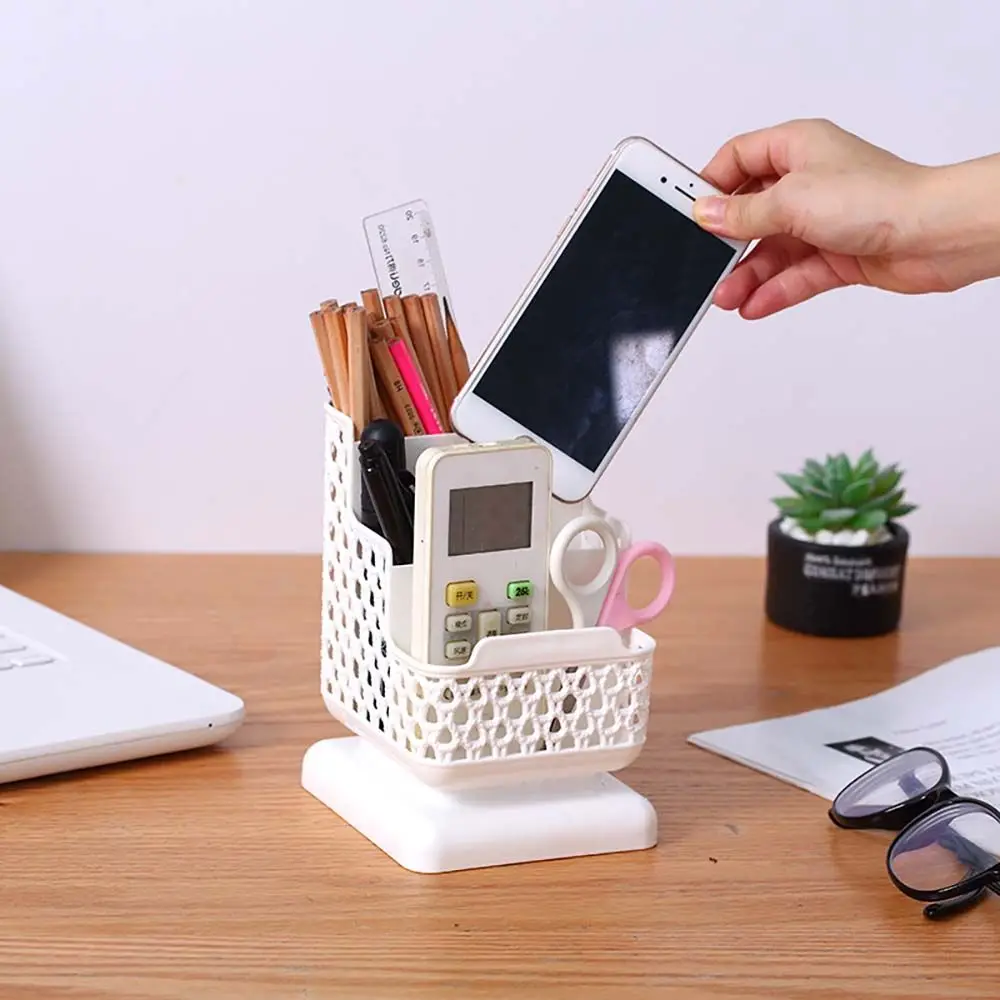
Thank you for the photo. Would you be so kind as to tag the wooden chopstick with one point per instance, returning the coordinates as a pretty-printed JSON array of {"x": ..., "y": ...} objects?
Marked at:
[
  {"x": 323, "y": 345},
  {"x": 359, "y": 362},
  {"x": 442, "y": 354},
  {"x": 359, "y": 347},
  {"x": 394, "y": 310},
  {"x": 372, "y": 302},
  {"x": 459, "y": 359},
  {"x": 423, "y": 351},
  {"x": 336, "y": 335}
]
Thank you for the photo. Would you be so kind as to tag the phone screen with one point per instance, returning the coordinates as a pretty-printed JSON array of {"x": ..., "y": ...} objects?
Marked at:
[{"x": 605, "y": 321}]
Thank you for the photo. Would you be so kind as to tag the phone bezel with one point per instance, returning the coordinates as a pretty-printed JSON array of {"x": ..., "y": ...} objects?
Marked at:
[{"x": 666, "y": 177}]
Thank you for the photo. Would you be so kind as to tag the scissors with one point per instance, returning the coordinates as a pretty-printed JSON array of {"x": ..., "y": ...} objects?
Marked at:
[{"x": 615, "y": 610}]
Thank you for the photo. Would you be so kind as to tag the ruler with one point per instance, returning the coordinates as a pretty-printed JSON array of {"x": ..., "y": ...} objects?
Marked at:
[{"x": 405, "y": 254}]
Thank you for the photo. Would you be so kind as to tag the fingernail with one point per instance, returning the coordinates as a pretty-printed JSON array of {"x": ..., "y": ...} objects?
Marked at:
[{"x": 710, "y": 212}]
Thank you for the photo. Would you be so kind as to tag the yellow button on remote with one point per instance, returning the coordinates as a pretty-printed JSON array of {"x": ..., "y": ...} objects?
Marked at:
[{"x": 461, "y": 595}]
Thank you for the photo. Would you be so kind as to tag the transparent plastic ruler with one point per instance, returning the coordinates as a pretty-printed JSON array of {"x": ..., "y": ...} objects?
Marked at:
[{"x": 404, "y": 251}]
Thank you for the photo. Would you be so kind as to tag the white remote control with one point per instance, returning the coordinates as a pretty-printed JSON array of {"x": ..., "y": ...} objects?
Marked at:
[{"x": 480, "y": 545}]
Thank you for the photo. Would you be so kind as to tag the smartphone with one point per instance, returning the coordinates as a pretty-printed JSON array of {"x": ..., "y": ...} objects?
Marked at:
[{"x": 623, "y": 287}]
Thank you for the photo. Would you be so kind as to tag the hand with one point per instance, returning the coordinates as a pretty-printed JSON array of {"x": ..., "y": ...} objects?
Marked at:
[{"x": 832, "y": 210}]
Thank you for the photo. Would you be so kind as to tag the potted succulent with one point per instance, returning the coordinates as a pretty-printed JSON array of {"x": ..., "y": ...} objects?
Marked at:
[{"x": 836, "y": 552}]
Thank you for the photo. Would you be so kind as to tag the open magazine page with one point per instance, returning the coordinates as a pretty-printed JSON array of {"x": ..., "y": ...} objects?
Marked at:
[{"x": 954, "y": 708}]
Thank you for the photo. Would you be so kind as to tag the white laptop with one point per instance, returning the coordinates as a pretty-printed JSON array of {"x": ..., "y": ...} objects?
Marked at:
[{"x": 72, "y": 697}]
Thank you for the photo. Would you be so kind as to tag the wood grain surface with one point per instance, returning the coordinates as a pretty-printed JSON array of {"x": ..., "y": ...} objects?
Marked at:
[{"x": 213, "y": 874}]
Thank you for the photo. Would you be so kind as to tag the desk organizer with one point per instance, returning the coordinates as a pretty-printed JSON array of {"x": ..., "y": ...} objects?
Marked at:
[{"x": 505, "y": 758}]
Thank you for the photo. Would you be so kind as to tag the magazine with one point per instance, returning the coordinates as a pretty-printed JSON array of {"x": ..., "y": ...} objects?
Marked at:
[{"x": 953, "y": 708}]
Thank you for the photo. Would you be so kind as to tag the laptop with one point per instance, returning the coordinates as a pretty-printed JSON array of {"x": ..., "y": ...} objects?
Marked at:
[{"x": 72, "y": 697}]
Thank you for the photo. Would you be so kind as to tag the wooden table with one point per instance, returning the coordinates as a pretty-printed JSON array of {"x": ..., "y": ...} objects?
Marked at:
[{"x": 213, "y": 874}]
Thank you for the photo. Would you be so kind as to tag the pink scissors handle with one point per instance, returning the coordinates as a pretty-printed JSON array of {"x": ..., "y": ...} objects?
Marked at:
[{"x": 616, "y": 610}]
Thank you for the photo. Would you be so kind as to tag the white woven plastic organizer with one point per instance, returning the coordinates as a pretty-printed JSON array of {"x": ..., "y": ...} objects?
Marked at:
[{"x": 506, "y": 758}]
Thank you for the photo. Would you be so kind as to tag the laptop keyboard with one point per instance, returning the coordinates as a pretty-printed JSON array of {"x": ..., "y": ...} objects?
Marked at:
[{"x": 17, "y": 652}]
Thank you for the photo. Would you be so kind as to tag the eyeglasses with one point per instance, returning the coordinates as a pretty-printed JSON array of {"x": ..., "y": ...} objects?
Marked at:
[{"x": 946, "y": 852}]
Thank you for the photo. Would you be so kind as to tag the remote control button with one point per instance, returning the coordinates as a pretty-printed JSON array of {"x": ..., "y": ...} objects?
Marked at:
[
  {"x": 518, "y": 616},
  {"x": 457, "y": 649},
  {"x": 488, "y": 623},
  {"x": 518, "y": 589},
  {"x": 458, "y": 623},
  {"x": 461, "y": 595}
]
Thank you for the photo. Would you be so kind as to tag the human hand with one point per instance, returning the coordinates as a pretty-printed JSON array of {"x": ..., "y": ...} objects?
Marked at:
[{"x": 832, "y": 210}]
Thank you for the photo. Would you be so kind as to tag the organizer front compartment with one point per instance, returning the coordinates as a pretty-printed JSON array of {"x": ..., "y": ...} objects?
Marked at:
[{"x": 552, "y": 715}]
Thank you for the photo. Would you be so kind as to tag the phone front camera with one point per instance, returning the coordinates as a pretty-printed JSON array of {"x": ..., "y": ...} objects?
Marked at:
[{"x": 663, "y": 180}]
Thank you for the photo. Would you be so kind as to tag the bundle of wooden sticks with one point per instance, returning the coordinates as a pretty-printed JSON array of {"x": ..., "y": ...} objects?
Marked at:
[{"x": 399, "y": 358}]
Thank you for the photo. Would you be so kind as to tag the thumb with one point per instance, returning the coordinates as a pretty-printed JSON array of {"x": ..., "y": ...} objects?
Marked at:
[{"x": 744, "y": 216}]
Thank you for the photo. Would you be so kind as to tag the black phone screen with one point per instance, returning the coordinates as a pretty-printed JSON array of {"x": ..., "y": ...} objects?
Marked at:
[{"x": 605, "y": 322}]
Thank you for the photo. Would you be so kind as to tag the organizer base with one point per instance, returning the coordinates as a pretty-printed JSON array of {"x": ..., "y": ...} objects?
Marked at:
[{"x": 429, "y": 830}]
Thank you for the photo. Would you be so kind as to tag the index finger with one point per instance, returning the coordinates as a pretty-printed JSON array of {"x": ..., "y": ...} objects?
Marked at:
[{"x": 753, "y": 155}]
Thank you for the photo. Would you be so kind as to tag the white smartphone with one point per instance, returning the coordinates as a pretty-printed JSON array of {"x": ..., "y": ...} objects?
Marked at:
[{"x": 629, "y": 277}]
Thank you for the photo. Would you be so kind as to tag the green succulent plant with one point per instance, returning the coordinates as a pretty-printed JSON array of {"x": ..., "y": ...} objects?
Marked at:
[{"x": 836, "y": 495}]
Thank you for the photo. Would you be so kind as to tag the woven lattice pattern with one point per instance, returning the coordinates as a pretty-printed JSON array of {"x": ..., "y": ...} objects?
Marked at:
[{"x": 444, "y": 718}]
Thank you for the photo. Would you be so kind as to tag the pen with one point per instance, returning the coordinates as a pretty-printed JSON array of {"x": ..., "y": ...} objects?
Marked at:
[
  {"x": 387, "y": 500},
  {"x": 389, "y": 435},
  {"x": 397, "y": 395},
  {"x": 410, "y": 375}
]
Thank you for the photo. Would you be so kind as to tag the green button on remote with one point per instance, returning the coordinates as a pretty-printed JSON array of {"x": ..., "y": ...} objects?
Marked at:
[{"x": 519, "y": 589}]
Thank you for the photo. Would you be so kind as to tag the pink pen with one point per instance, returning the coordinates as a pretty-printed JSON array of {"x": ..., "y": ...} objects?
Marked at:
[{"x": 422, "y": 401}]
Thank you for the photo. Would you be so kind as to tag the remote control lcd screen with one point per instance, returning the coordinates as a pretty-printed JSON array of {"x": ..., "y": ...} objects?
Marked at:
[{"x": 489, "y": 518}]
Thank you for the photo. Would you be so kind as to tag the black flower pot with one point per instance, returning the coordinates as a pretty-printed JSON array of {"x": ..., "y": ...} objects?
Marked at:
[{"x": 835, "y": 590}]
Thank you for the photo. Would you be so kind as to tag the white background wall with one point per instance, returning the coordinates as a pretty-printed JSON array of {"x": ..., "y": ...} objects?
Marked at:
[{"x": 182, "y": 180}]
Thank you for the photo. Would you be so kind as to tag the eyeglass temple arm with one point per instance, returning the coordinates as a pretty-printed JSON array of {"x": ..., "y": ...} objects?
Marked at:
[{"x": 950, "y": 907}]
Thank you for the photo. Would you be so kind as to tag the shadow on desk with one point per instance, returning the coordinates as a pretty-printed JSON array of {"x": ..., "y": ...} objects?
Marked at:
[{"x": 219, "y": 761}]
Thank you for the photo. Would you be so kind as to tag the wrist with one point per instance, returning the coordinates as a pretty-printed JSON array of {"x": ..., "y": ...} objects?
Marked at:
[{"x": 958, "y": 219}]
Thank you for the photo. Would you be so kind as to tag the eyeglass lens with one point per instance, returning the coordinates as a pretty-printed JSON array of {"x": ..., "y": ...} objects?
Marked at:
[
  {"x": 951, "y": 846},
  {"x": 899, "y": 779}
]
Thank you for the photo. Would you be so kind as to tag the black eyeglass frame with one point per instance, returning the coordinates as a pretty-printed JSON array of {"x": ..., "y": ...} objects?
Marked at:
[{"x": 902, "y": 817}]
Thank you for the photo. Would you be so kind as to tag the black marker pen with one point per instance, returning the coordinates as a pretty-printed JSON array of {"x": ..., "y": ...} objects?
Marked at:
[
  {"x": 389, "y": 435},
  {"x": 394, "y": 516}
]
